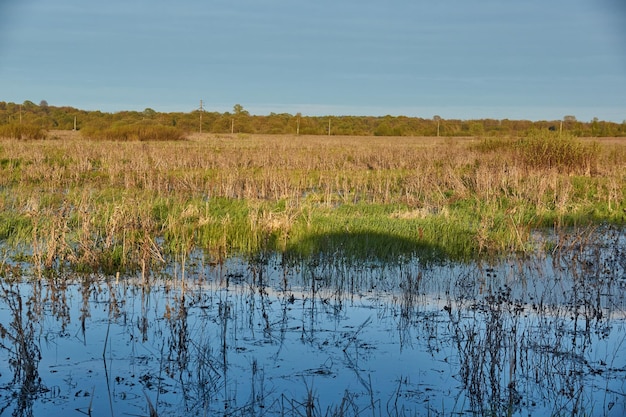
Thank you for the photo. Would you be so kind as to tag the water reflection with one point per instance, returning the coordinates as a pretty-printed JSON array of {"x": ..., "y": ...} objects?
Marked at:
[
  {"x": 18, "y": 340},
  {"x": 540, "y": 336}
]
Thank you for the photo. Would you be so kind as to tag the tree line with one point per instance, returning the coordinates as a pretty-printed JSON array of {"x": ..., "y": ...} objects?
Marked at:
[{"x": 31, "y": 117}]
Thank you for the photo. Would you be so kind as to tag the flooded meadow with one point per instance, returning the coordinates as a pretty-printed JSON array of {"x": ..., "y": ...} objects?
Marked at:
[{"x": 321, "y": 336}]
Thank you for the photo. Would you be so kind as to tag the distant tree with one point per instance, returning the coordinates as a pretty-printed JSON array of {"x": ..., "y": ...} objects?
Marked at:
[
  {"x": 238, "y": 110},
  {"x": 241, "y": 120},
  {"x": 476, "y": 129},
  {"x": 383, "y": 129},
  {"x": 43, "y": 103},
  {"x": 28, "y": 105},
  {"x": 569, "y": 123}
]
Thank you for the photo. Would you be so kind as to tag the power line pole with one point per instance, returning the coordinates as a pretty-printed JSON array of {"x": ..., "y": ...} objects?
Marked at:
[
  {"x": 298, "y": 125},
  {"x": 438, "y": 120},
  {"x": 201, "y": 111}
]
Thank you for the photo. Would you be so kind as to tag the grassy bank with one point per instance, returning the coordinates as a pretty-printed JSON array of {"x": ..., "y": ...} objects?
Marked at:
[{"x": 116, "y": 206}]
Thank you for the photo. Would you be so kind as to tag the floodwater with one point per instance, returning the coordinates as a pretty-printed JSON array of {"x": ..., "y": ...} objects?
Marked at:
[{"x": 544, "y": 335}]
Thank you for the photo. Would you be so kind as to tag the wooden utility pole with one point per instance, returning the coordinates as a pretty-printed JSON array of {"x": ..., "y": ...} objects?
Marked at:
[
  {"x": 201, "y": 111},
  {"x": 328, "y": 127}
]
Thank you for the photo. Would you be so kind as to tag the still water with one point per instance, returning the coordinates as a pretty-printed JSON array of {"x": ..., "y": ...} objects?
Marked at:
[{"x": 543, "y": 335}]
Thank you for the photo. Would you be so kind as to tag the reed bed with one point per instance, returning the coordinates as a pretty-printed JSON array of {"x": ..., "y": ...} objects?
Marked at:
[{"x": 115, "y": 206}]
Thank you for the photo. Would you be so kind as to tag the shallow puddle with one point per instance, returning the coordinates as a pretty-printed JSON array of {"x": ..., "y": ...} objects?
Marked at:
[{"x": 543, "y": 336}]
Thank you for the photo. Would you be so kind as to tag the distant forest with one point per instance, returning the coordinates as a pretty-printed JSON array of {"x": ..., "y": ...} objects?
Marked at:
[{"x": 30, "y": 120}]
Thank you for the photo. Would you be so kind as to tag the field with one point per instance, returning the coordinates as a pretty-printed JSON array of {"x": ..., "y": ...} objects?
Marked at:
[
  {"x": 122, "y": 206},
  {"x": 248, "y": 275}
]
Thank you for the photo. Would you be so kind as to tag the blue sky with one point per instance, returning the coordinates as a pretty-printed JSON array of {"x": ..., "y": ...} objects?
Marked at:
[{"x": 533, "y": 59}]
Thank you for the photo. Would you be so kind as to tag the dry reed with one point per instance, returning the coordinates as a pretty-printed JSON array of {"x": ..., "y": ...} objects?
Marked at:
[{"x": 95, "y": 202}]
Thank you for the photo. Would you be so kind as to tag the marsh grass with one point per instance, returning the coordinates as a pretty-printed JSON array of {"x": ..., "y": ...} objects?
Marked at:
[
  {"x": 558, "y": 151},
  {"x": 22, "y": 131},
  {"x": 134, "y": 132},
  {"x": 121, "y": 206}
]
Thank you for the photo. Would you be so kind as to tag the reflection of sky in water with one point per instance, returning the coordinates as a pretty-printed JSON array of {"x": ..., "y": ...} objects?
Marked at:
[{"x": 430, "y": 349}]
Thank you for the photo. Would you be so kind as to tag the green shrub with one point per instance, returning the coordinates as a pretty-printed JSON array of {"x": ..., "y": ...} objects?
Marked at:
[{"x": 565, "y": 153}]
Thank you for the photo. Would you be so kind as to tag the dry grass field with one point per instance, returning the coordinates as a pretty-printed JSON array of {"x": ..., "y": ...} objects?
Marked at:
[{"x": 86, "y": 202}]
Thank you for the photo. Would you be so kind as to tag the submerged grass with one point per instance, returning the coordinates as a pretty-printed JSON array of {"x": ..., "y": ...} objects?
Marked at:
[{"x": 117, "y": 206}]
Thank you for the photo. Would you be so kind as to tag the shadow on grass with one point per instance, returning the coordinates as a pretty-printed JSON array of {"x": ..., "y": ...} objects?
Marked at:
[{"x": 372, "y": 247}]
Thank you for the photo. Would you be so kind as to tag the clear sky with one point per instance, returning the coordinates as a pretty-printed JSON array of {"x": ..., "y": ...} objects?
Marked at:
[{"x": 531, "y": 59}]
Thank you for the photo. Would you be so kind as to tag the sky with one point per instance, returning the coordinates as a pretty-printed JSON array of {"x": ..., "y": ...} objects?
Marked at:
[{"x": 459, "y": 59}]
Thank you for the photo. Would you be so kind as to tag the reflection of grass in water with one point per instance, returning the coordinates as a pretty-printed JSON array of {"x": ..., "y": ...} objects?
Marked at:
[
  {"x": 484, "y": 331},
  {"x": 366, "y": 246},
  {"x": 24, "y": 353}
]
